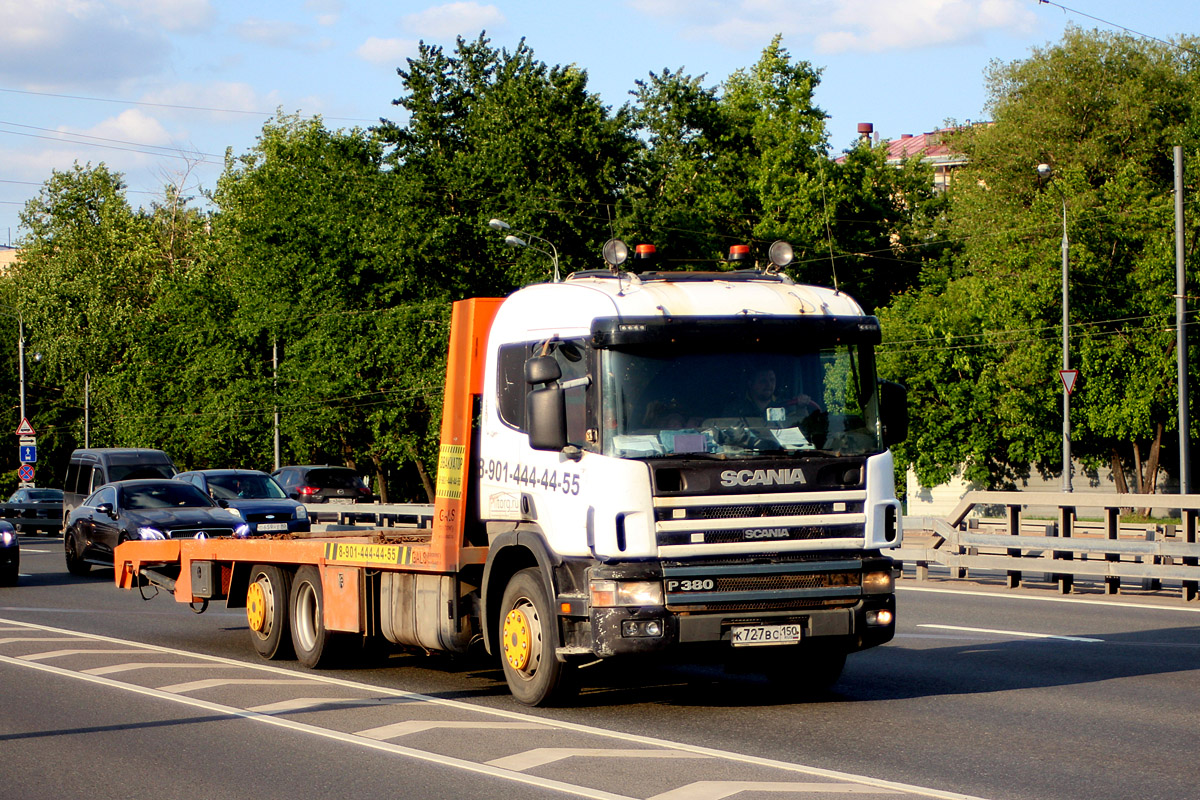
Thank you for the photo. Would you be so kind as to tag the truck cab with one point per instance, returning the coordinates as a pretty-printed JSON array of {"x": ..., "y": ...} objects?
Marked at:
[{"x": 688, "y": 458}]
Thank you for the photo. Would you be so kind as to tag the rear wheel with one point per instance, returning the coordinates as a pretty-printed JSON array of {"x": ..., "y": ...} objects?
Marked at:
[
  {"x": 267, "y": 611},
  {"x": 528, "y": 640},
  {"x": 74, "y": 553},
  {"x": 315, "y": 646}
]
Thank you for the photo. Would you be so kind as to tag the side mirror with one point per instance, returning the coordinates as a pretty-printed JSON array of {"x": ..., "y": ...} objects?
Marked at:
[
  {"x": 106, "y": 509},
  {"x": 545, "y": 408},
  {"x": 542, "y": 369},
  {"x": 893, "y": 412}
]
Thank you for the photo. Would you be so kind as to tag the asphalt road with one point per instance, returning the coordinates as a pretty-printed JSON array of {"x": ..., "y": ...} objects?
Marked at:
[{"x": 985, "y": 693}]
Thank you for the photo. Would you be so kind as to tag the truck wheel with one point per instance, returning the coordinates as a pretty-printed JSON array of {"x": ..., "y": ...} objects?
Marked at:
[
  {"x": 267, "y": 611},
  {"x": 528, "y": 639},
  {"x": 315, "y": 646},
  {"x": 806, "y": 671},
  {"x": 74, "y": 551}
]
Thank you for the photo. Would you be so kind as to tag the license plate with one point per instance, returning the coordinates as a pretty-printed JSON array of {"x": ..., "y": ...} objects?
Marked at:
[
  {"x": 268, "y": 527},
  {"x": 342, "y": 501},
  {"x": 751, "y": 635}
]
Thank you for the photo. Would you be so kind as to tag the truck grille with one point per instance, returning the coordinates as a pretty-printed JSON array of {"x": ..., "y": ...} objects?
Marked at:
[
  {"x": 762, "y": 586},
  {"x": 190, "y": 533},
  {"x": 698, "y": 526}
]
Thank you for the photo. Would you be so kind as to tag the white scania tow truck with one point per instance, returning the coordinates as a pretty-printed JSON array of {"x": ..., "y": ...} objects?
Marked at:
[{"x": 632, "y": 462}]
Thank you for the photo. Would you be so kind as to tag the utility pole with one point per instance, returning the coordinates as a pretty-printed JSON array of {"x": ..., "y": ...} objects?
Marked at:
[{"x": 1181, "y": 332}]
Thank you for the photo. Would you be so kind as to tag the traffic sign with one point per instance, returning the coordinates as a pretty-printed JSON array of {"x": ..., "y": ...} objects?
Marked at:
[
  {"x": 28, "y": 453},
  {"x": 1069, "y": 377},
  {"x": 25, "y": 429},
  {"x": 25, "y": 473}
]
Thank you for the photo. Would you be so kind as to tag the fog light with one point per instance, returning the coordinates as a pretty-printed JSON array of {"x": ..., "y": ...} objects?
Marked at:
[
  {"x": 879, "y": 618},
  {"x": 641, "y": 628}
]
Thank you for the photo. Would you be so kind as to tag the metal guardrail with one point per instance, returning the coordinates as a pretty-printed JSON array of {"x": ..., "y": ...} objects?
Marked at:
[{"x": 1066, "y": 548}]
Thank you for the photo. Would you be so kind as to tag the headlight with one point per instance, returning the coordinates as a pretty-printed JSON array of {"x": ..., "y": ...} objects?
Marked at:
[
  {"x": 6, "y": 538},
  {"x": 301, "y": 512},
  {"x": 237, "y": 512},
  {"x": 611, "y": 594},
  {"x": 241, "y": 531},
  {"x": 877, "y": 582},
  {"x": 147, "y": 532}
]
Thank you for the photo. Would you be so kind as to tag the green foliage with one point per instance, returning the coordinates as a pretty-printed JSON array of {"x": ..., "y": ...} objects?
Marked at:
[
  {"x": 979, "y": 343},
  {"x": 747, "y": 163}
]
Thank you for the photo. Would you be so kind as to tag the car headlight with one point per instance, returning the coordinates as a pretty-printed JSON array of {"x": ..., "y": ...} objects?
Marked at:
[
  {"x": 610, "y": 594},
  {"x": 301, "y": 512},
  {"x": 241, "y": 531},
  {"x": 7, "y": 538},
  {"x": 146, "y": 532},
  {"x": 237, "y": 512}
]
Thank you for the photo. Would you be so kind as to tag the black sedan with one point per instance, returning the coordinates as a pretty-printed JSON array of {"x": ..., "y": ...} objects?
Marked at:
[
  {"x": 10, "y": 555},
  {"x": 254, "y": 495},
  {"x": 34, "y": 509},
  {"x": 146, "y": 509}
]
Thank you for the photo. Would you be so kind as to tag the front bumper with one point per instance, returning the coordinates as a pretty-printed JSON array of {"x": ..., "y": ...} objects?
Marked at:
[{"x": 839, "y": 614}]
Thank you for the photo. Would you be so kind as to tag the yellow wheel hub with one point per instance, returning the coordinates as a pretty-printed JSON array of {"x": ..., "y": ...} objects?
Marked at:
[
  {"x": 256, "y": 606},
  {"x": 516, "y": 639}
]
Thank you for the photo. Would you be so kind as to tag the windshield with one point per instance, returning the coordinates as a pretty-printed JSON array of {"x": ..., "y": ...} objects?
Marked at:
[
  {"x": 167, "y": 494},
  {"x": 736, "y": 404},
  {"x": 242, "y": 486}
]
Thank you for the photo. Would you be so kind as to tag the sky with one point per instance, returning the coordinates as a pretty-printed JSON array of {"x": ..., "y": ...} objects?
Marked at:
[{"x": 159, "y": 90}]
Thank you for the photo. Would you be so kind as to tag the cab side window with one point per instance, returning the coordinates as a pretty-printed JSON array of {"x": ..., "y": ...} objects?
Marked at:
[{"x": 572, "y": 358}]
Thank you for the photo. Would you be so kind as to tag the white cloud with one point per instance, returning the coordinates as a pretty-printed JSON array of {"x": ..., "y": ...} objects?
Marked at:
[
  {"x": 386, "y": 51},
  {"x": 182, "y": 16},
  {"x": 132, "y": 126},
  {"x": 52, "y": 45},
  {"x": 275, "y": 33},
  {"x": 327, "y": 12},
  {"x": 454, "y": 19},
  {"x": 836, "y": 26}
]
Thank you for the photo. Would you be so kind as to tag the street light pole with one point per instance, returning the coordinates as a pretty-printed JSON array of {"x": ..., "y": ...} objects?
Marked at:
[
  {"x": 1044, "y": 174},
  {"x": 515, "y": 241}
]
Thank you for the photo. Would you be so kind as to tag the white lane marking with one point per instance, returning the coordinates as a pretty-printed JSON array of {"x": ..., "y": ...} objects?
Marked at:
[
  {"x": 71, "y": 652},
  {"x": 718, "y": 790},
  {"x": 1050, "y": 599},
  {"x": 325, "y": 733},
  {"x": 314, "y": 703},
  {"x": 1020, "y": 634},
  {"x": 541, "y": 756},
  {"x": 398, "y": 729},
  {"x": 15, "y": 639},
  {"x": 212, "y": 683},
  {"x": 461, "y": 706},
  {"x": 132, "y": 665}
]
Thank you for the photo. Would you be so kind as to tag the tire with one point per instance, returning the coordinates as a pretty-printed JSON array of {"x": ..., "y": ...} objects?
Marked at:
[
  {"x": 315, "y": 646},
  {"x": 267, "y": 601},
  {"x": 74, "y": 554},
  {"x": 528, "y": 639}
]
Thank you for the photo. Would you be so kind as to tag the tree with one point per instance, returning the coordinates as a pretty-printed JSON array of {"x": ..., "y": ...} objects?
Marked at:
[
  {"x": 497, "y": 133},
  {"x": 748, "y": 162},
  {"x": 306, "y": 239},
  {"x": 979, "y": 345}
]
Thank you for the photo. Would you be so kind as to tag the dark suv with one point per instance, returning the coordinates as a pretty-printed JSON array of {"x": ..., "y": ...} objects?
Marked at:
[{"x": 323, "y": 484}]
